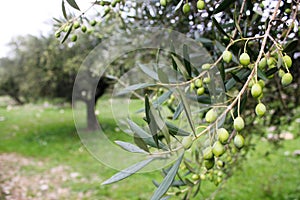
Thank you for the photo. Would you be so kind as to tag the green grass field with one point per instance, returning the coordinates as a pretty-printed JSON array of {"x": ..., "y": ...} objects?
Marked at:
[{"x": 49, "y": 135}]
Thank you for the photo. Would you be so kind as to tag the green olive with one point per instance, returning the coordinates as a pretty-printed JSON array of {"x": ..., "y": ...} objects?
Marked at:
[
  {"x": 244, "y": 59},
  {"x": 238, "y": 123}
]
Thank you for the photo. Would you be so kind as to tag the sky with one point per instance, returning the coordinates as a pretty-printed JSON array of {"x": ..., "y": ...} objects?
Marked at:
[{"x": 22, "y": 17}]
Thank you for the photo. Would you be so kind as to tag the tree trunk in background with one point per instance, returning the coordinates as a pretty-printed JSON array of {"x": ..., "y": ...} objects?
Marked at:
[{"x": 92, "y": 121}]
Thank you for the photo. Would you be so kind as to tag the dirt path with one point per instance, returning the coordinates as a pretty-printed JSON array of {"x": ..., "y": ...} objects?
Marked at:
[{"x": 24, "y": 178}]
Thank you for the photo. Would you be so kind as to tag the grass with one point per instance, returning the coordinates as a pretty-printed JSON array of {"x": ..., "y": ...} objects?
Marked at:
[{"x": 48, "y": 134}]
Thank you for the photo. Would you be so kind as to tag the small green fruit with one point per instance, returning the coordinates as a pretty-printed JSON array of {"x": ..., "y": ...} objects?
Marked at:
[
  {"x": 73, "y": 38},
  {"x": 287, "y": 60},
  {"x": 206, "y": 66},
  {"x": 195, "y": 177},
  {"x": 206, "y": 80},
  {"x": 163, "y": 3},
  {"x": 207, "y": 153},
  {"x": 76, "y": 25},
  {"x": 200, "y": 91},
  {"x": 192, "y": 86},
  {"x": 202, "y": 176},
  {"x": 256, "y": 90},
  {"x": 83, "y": 28},
  {"x": 238, "y": 123},
  {"x": 286, "y": 79},
  {"x": 200, "y": 5},
  {"x": 209, "y": 164},
  {"x": 281, "y": 72},
  {"x": 186, "y": 8},
  {"x": 211, "y": 116},
  {"x": 260, "y": 109},
  {"x": 262, "y": 63},
  {"x": 261, "y": 83},
  {"x": 107, "y": 10},
  {"x": 218, "y": 149},
  {"x": 220, "y": 163},
  {"x": 270, "y": 61},
  {"x": 93, "y": 22},
  {"x": 239, "y": 141},
  {"x": 244, "y": 59},
  {"x": 187, "y": 142},
  {"x": 288, "y": 11},
  {"x": 223, "y": 135},
  {"x": 198, "y": 83},
  {"x": 57, "y": 34},
  {"x": 227, "y": 56}
]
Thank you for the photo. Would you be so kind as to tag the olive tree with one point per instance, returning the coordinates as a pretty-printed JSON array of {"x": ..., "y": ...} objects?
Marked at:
[{"x": 253, "y": 48}]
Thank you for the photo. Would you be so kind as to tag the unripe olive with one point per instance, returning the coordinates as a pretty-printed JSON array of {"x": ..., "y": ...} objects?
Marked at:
[
  {"x": 186, "y": 8},
  {"x": 195, "y": 177},
  {"x": 76, "y": 25},
  {"x": 261, "y": 83},
  {"x": 187, "y": 142},
  {"x": 200, "y": 5},
  {"x": 163, "y": 2},
  {"x": 206, "y": 66},
  {"x": 200, "y": 91},
  {"x": 73, "y": 38},
  {"x": 223, "y": 135},
  {"x": 218, "y": 149},
  {"x": 239, "y": 141},
  {"x": 256, "y": 90},
  {"x": 57, "y": 34},
  {"x": 198, "y": 83},
  {"x": 270, "y": 61},
  {"x": 244, "y": 59},
  {"x": 220, "y": 163},
  {"x": 281, "y": 72},
  {"x": 83, "y": 28},
  {"x": 238, "y": 123},
  {"x": 106, "y": 10},
  {"x": 202, "y": 176},
  {"x": 288, "y": 11},
  {"x": 286, "y": 79},
  {"x": 227, "y": 56},
  {"x": 206, "y": 80},
  {"x": 207, "y": 153},
  {"x": 209, "y": 164},
  {"x": 262, "y": 63},
  {"x": 287, "y": 60},
  {"x": 260, "y": 109},
  {"x": 211, "y": 116},
  {"x": 93, "y": 22},
  {"x": 192, "y": 86}
]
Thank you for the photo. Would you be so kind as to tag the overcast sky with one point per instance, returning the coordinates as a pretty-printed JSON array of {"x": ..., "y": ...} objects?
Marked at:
[{"x": 21, "y": 17}]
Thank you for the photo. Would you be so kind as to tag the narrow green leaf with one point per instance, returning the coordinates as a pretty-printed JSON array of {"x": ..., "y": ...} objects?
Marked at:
[
  {"x": 174, "y": 130},
  {"x": 291, "y": 46},
  {"x": 216, "y": 23},
  {"x": 162, "y": 98},
  {"x": 204, "y": 40},
  {"x": 235, "y": 18},
  {"x": 189, "y": 167},
  {"x": 187, "y": 110},
  {"x": 163, "y": 77},
  {"x": 140, "y": 142},
  {"x": 167, "y": 182},
  {"x": 73, "y": 4},
  {"x": 178, "y": 5},
  {"x": 236, "y": 78},
  {"x": 147, "y": 70},
  {"x": 271, "y": 71},
  {"x": 261, "y": 74},
  {"x": 173, "y": 52},
  {"x": 127, "y": 172},
  {"x": 64, "y": 9},
  {"x": 222, "y": 71},
  {"x": 186, "y": 57},
  {"x": 181, "y": 67},
  {"x": 134, "y": 87},
  {"x": 67, "y": 33},
  {"x": 151, "y": 121},
  {"x": 223, "y": 5},
  {"x": 178, "y": 111},
  {"x": 129, "y": 147},
  {"x": 145, "y": 136}
]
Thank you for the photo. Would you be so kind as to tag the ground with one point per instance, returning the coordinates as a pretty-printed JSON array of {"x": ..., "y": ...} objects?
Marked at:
[{"x": 18, "y": 182}]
